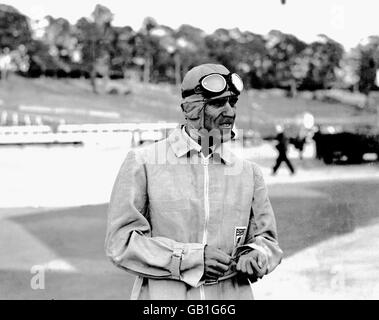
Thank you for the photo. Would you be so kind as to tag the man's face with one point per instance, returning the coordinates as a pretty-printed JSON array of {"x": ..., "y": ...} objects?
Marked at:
[{"x": 220, "y": 114}]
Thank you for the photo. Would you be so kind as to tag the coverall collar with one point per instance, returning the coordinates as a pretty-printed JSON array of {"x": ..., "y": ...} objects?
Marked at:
[{"x": 181, "y": 143}]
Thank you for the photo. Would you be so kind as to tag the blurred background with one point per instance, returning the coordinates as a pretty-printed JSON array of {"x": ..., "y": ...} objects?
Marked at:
[{"x": 82, "y": 83}]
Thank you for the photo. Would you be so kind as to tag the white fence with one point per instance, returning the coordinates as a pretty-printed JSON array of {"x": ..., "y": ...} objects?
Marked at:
[{"x": 109, "y": 133}]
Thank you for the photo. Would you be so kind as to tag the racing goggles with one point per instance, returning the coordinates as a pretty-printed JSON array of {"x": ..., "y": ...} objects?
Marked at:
[{"x": 215, "y": 84}]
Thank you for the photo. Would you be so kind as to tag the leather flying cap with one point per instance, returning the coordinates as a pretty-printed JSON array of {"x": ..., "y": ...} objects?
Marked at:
[{"x": 192, "y": 79}]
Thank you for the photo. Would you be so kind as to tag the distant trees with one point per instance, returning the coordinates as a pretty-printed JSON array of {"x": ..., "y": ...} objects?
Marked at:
[
  {"x": 15, "y": 36},
  {"x": 148, "y": 46},
  {"x": 14, "y": 28},
  {"x": 367, "y": 62},
  {"x": 323, "y": 57},
  {"x": 167, "y": 61},
  {"x": 60, "y": 41},
  {"x": 283, "y": 51},
  {"x": 191, "y": 48},
  {"x": 93, "y": 47},
  {"x": 121, "y": 55},
  {"x": 96, "y": 39}
]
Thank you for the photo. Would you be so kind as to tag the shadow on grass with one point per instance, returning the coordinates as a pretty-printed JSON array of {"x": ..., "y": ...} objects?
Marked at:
[
  {"x": 333, "y": 208},
  {"x": 77, "y": 236}
]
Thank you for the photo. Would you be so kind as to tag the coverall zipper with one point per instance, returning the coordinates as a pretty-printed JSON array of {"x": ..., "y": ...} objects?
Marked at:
[{"x": 206, "y": 209}]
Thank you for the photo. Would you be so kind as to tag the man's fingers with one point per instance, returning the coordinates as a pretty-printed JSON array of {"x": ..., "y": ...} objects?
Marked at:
[
  {"x": 222, "y": 257},
  {"x": 218, "y": 266},
  {"x": 238, "y": 266},
  {"x": 252, "y": 264},
  {"x": 262, "y": 261},
  {"x": 249, "y": 267},
  {"x": 243, "y": 266},
  {"x": 216, "y": 262},
  {"x": 259, "y": 261},
  {"x": 217, "y": 254},
  {"x": 212, "y": 271},
  {"x": 259, "y": 272},
  {"x": 222, "y": 267}
]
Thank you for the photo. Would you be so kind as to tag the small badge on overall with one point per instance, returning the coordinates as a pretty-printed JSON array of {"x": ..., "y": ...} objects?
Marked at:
[{"x": 239, "y": 233}]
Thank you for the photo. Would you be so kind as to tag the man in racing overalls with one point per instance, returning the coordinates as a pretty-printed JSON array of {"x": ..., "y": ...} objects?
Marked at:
[{"x": 187, "y": 216}]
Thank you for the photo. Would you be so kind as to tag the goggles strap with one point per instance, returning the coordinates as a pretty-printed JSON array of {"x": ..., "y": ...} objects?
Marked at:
[{"x": 187, "y": 93}]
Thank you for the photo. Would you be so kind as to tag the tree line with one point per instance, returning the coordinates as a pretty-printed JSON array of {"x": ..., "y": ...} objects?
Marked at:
[{"x": 93, "y": 47}]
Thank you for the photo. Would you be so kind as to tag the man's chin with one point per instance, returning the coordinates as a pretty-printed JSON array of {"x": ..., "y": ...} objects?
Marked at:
[{"x": 226, "y": 134}]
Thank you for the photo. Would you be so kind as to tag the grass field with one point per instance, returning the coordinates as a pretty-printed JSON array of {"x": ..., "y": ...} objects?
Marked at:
[{"x": 73, "y": 101}]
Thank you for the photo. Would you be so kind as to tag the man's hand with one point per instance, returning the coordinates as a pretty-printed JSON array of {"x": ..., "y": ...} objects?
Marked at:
[
  {"x": 253, "y": 264},
  {"x": 216, "y": 262}
]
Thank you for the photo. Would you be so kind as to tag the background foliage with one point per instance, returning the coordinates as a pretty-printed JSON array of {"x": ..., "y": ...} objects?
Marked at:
[{"x": 93, "y": 47}]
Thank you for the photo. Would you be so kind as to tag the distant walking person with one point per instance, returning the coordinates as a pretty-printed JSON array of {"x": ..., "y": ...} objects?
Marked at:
[{"x": 282, "y": 147}]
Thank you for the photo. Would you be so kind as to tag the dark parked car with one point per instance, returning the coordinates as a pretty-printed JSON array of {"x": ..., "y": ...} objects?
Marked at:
[{"x": 346, "y": 144}]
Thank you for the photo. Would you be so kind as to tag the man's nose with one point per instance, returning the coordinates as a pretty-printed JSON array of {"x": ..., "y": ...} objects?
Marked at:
[{"x": 228, "y": 110}]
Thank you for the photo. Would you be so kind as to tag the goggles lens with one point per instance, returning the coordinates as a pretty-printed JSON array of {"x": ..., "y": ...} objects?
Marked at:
[
  {"x": 237, "y": 82},
  {"x": 214, "y": 83}
]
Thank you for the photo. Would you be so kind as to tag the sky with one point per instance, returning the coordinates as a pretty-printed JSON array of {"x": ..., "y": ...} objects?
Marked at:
[{"x": 346, "y": 21}]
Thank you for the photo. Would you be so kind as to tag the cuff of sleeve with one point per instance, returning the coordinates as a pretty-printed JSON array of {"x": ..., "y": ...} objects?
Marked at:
[
  {"x": 258, "y": 248},
  {"x": 192, "y": 265}
]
